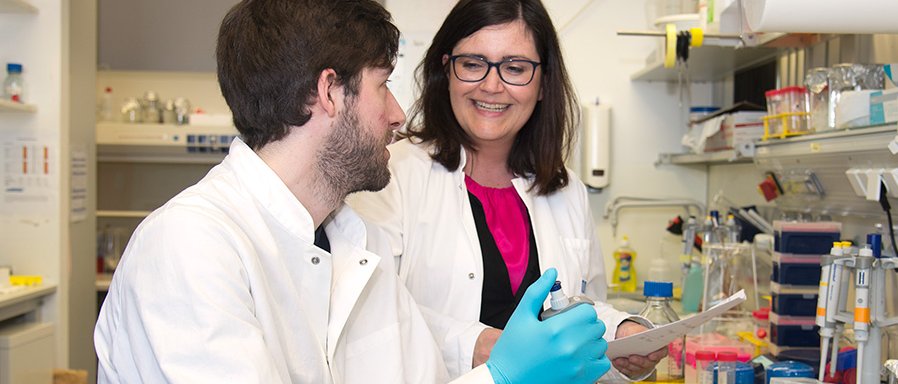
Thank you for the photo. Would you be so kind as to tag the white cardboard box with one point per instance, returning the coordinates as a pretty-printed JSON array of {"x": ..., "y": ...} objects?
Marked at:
[{"x": 737, "y": 128}]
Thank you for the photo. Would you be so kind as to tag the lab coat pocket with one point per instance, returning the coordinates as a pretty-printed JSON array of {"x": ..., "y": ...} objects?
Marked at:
[
  {"x": 374, "y": 358},
  {"x": 575, "y": 263},
  {"x": 380, "y": 340}
]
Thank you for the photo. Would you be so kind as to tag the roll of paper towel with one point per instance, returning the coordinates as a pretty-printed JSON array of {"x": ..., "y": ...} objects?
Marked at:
[{"x": 815, "y": 16}]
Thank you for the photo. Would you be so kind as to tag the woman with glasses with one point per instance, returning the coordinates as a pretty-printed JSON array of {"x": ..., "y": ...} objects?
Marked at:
[{"x": 480, "y": 201}]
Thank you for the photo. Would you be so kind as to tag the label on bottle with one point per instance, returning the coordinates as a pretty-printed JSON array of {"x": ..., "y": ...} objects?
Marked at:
[
  {"x": 14, "y": 92},
  {"x": 625, "y": 260}
]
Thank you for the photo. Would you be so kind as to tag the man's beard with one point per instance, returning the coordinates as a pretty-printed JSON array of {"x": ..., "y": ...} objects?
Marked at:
[{"x": 352, "y": 158}]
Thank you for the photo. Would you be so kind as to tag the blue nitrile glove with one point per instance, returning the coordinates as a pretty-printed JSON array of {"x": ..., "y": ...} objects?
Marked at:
[{"x": 566, "y": 348}]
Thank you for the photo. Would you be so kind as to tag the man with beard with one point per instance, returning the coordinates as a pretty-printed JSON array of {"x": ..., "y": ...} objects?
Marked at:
[{"x": 260, "y": 274}]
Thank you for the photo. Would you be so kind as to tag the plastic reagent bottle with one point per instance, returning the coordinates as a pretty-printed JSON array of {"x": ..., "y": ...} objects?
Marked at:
[
  {"x": 624, "y": 276},
  {"x": 726, "y": 367},
  {"x": 657, "y": 310},
  {"x": 703, "y": 360},
  {"x": 14, "y": 85},
  {"x": 559, "y": 302}
]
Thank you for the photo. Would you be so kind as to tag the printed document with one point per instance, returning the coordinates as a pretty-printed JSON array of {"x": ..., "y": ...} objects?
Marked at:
[{"x": 653, "y": 339}]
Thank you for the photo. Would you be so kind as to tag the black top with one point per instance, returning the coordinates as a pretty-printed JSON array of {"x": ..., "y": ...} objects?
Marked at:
[
  {"x": 321, "y": 240},
  {"x": 498, "y": 303}
]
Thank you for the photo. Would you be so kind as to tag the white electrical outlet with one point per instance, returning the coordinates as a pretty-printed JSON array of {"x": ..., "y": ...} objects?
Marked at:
[{"x": 858, "y": 180}]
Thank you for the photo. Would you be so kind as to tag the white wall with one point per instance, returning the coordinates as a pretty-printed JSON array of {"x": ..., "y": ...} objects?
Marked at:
[{"x": 644, "y": 115}]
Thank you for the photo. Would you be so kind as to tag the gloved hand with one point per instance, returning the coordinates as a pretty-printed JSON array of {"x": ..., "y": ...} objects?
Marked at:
[{"x": 566, "y": 348}]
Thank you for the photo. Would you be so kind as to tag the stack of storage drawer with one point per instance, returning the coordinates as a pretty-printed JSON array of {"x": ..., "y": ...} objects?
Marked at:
[{"x": 795, "y": 280}]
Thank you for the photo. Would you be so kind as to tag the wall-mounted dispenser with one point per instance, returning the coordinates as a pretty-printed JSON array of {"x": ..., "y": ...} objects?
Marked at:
[{"x": 595, "y": 145}]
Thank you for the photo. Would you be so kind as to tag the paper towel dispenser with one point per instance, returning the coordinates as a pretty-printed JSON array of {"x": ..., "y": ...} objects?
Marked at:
[{"x": 595, "y": 145}]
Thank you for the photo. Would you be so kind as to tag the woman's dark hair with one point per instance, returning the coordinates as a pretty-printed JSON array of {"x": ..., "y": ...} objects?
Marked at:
[
  {"x": 543, "y": 143},
  {"x": 271, "y": 52}
]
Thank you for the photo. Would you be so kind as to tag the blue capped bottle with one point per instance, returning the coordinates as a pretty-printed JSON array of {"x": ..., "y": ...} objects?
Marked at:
[{"x": 657, "y": 310}]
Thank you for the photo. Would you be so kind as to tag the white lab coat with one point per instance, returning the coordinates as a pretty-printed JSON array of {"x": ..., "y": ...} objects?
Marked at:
[
  {"x": 223, "y": 284},
  {"x": 426, "y": 212}
]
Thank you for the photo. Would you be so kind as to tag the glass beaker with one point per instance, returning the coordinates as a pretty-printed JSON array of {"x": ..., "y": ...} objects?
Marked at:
[
  {"x": 114, "y": 240},
  {"x": 817, "y": 83}
]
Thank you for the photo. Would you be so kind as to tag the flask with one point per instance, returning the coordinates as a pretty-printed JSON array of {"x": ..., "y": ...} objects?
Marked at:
[
  {"x": 559, "y": 302},
  {"x": 624, "y": 276},
  {"x": 14, "y": 84},
  {"x": 106, "y": 107},
  {"x": 657, "y": 310}
]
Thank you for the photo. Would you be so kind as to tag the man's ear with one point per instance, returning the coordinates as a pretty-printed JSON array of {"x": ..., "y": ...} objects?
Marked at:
[{"x": 327, "y": 90}]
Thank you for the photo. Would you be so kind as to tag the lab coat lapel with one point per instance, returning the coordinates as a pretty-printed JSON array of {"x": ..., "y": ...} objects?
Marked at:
[
  {"x": 468, "y": 224},
  {"x": 353, "y": 268}
]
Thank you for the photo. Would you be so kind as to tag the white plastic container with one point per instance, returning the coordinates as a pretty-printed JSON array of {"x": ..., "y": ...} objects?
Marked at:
[{"x": 27, "y": 353}]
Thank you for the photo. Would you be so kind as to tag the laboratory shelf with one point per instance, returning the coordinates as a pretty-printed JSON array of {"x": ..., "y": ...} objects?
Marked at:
[
  {"x": 23, "y": 301},
  {"x": 16, "y": 6},
  {"x": 123, "y": 214},
  {"x": 9, "y": 106},
  {"x": 855, "y": 140},
  {"x": 728, "y": 156},
  {"x": 708, "y": 63}
]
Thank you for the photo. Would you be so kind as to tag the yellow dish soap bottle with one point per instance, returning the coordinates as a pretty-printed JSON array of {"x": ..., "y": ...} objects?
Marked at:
[{"x": 624, "y": 276}]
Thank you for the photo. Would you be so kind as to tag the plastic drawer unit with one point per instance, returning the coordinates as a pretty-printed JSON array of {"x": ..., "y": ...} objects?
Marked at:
[
  {"x": 796, "y": 270},
  {"x": 791, "y": 331},
  {"x": 804, "y": 305},
  {"x": 805, "y": 238}
]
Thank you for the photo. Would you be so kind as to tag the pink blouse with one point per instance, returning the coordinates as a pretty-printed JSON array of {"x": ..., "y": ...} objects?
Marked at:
[{"x": 507, "y": 220}]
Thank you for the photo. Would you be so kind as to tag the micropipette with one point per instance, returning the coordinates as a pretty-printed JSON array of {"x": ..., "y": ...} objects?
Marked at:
[
  {"x": 863, "y": 264},
  {"x": 826, "y": 329},
  {"x": 559, "y": 302}
]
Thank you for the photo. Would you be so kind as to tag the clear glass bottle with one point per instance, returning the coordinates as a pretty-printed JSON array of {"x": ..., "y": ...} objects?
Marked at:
[
  {"x": 106, "y": 106},
  {"x": 14, "y": 84},
  {"x": 152, "y": 108},
  {"x": 657, "y": 310}
]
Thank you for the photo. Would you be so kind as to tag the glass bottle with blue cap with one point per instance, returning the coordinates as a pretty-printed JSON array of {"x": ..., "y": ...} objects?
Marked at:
[{"x": 658, "y": 310}]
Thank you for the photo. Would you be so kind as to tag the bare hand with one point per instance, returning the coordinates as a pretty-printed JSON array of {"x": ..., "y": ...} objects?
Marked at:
[
  {"x": 484, "y": 345},
  {"x": 635, "y": 366}
]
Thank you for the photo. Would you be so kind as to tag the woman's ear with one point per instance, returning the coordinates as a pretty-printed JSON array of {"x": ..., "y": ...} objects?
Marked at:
[{"x": 327, "y": 89}]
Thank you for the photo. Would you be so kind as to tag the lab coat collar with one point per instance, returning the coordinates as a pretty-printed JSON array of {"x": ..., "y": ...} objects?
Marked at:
[
  {"x": 354, "y": 266},
  {"x": 269, "y": 191},
  {"x": 521, "y": 184}
]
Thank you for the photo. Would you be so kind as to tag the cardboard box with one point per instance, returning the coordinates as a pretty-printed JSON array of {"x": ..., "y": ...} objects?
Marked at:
[
  {"x": 884, "y": 106},
  {"x": 737, "y": 128}
]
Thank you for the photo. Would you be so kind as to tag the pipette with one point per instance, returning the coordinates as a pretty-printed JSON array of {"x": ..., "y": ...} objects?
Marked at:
[
  {"x": 863, "y": 264},
  {"x": 559, "y": 302},
  {"x": 836, "y": 296},
  {"x": 826, "y": 328}
]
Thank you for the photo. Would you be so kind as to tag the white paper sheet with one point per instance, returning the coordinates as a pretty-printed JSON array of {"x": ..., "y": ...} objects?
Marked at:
[{"x": 649, "y": 341}]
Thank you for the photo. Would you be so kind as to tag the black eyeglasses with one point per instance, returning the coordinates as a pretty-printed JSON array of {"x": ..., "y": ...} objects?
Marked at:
[{"x": 471, "y": 69}]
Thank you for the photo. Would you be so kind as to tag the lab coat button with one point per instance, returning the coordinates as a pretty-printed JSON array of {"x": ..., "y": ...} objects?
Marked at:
[
  {"x": 471, "y": 275},
  {"x": 315, "y": 260},
  {"x": 363, "y": 261}
]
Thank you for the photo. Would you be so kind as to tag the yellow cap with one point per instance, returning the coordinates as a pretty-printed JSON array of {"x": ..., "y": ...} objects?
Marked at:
[{"x": 698, "y": 37}]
